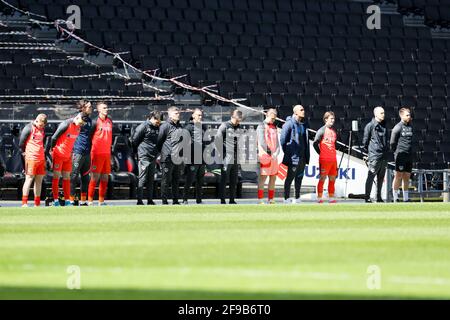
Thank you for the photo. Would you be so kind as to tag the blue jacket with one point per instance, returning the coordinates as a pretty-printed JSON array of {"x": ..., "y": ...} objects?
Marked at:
[
  {"x": 294, "y": 142},
  {"x": 83, "y": 143}
]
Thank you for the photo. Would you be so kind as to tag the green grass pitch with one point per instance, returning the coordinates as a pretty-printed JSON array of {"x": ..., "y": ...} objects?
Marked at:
[{"x": 305, "y": 251}]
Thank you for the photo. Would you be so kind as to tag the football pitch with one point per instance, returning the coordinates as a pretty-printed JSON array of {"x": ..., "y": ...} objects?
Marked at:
[{"x": 307, "y": 251}]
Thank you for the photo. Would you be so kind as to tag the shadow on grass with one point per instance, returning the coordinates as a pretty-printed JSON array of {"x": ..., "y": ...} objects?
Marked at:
[{"x": 22, "y": 293}]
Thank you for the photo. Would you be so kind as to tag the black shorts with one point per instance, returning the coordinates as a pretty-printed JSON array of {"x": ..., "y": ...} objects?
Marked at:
[{"x": 403, "y": 162}]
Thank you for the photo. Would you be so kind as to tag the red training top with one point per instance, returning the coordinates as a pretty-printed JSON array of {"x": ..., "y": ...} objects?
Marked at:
[
  {"x": 102, "y": 136},
  {"x": 33, "y": 143},
  {"x": 65, "y": 139},
  {"x": 327, "y": 144}
]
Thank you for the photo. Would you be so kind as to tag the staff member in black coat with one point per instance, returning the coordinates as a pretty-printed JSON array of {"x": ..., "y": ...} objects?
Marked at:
[
  {"x": 145, "y": 139},
  {"x": 376, "y": 142},
  {"x": 170, "y": 143},
  {"x": 401, "y": 144},
  {"x": 195, "y": 166},
  {"x": 226, "y": 142}
]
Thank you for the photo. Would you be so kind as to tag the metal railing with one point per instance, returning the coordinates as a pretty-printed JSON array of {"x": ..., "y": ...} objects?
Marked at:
[{"x": 425, "y": 183}]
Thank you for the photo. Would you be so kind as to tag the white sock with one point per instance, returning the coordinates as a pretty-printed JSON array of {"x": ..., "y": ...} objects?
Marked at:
[
  {"x": 405, "y": 195},
  {"x": 395, "y": 194}
]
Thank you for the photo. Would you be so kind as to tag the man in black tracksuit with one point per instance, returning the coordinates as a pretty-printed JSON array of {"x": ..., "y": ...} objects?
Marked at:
[
  {"x": 170, "y": 144},
  {"x": 226, "y": 142},
  {"x": 402, "y": 145},
  {"x": 145, "y": 139},
  {"x": 376, "y": 143},
  {"x": 195, "y": 166}
]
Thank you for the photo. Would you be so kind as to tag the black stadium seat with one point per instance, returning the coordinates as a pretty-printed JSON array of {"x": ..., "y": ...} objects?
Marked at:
[
  {"x": 272, "y": 52},
  {"x": 123, "y": 165},
  {"x": 12, "y": 158}
]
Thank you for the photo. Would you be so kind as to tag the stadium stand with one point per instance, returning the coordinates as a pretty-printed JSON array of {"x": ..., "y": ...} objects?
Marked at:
[{"x": 318, "y": 53}]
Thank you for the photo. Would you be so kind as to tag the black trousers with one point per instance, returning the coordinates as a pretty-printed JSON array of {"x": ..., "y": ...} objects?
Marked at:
[
  {"x": 194, "y": 172},
  {"x": 294, "y": 172},
  {"x": 81, "y": 165},
  {"x": 170, "y": 177},
  {"x": 377, "y": 168},
  {"x": 147, "y": 167},
  {"x": 228, "y": 173}
]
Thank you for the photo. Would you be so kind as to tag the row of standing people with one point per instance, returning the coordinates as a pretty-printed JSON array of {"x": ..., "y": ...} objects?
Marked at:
[
  {"x": 295, "y": 145},
  {"x": 293, "y": 141},
  {"x": 81, "y": 148},
  {"x": 150, "y": 140}
]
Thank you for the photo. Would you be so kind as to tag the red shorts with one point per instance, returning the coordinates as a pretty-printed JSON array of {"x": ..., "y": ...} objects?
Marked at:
[
  {"x": 328, "y": 168},
  {"x": 268, "y": 166},
  {"x": 101, "y": 163},
  {"x": 35, "y": 167},
  {"x": 62, "y": 164}
]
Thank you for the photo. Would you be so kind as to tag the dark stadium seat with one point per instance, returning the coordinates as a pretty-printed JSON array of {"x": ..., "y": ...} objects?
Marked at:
[
  {"x": 325, "y": 100},
  {"x": 329, "y": 89},
  {"x": 123, "y": 165},
  {"x": 307, "y": 100},
  {"x": 12, "y": 158},
  {"x": 256, "y": 99},
  {"x": 357, "y": 101},
  {"x": 312, "y": 88},
  {"x": 282, "y": 76},
  {"x": 295, "y": 87},
  {"x": 320, "y": 50},
  {"x": 290, "y": 99},
  {"x": 316, "y": 76},
  {"x": 277, "y": 87}
]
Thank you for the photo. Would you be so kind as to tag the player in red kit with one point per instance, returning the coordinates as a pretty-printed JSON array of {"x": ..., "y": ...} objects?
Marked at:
[
  {"x": 325, "y": 145},
  {"x": 32, "y": 146},
  {"x": 61, "y": 151},
  {"x": 101, "y": 139},
  {"x": 268, "y": 150}
]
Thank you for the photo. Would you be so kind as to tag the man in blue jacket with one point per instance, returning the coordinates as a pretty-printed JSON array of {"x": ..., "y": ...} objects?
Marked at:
[{"x": 295, "y": 144}]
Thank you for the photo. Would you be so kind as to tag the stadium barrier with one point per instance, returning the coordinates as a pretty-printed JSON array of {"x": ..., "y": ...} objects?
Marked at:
[{"x": 425, "y": 183}]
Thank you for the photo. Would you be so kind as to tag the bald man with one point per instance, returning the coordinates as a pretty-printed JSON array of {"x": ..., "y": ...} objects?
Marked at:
[
  {"x": 376, "y": 143},
  {"x": 295, "y": 144}
]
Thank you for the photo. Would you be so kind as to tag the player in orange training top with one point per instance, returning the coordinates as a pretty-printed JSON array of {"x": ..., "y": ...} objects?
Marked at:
[
  {"x": 61, "y": 151},
  {"x": 101, "y": 138},
  {"x": 268, "y": 150},
  {"x": 32, "y": 145},
  {"x": 325, "y": 145}
]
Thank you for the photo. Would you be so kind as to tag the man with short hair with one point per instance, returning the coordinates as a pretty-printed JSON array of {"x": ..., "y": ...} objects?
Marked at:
[
  {"x": 195, "y": 166},
  {"x": 62, "y": 143},
  {"x": 31, "y": 144},
  {"x": 81, "y": 156},
  {"x": 145, "y": 139},
  {"x": 101, "y": 141},
  {"x": 325, "y": 145},
  {"x": 295, "y": 144},
  {"x": 376, "y": 143},
  {"x": 268, "y": 150},
  {"x": 170, "y": 145},
  {"x": 401, "y": 145},
  {"x": 226, "y": 142}
]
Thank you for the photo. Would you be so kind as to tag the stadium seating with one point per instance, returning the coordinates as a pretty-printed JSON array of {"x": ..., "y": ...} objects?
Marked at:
[
  {"x": 271, "y": 52},
  {"x": 11, "y": 158},
  {"x": 123, "y": 166}
]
